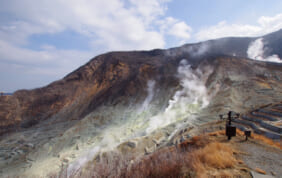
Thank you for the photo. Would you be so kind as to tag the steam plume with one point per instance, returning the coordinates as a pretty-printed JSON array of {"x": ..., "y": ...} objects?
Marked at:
[
  {"x": 150, "y": 91},
  {"x": 185, "y": 102},
  {"x": 256, "y": 51}
]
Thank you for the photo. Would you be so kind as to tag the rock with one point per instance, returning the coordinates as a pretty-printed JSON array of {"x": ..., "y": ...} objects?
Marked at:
[
  {"x": 182, "y": 139},
  {"x": 149, "y": 150},
  {"x": 273, "y": 173},
  {"x": 257, "y": 175},
  {"x": 131, "y": 144},
  {"x": 155, "y": 141},
  {"x": 73, "y": 156},
  {"x": 7, "y": 157},
  {"x": 65, "y": 160}
]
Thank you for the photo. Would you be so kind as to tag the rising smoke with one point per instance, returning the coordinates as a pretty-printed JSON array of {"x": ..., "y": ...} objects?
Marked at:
[
  {"x": 199, "y": 50},
  {"x": 189, "y": 100},
  {"x": 149, "y": 98},
  {"x": 184, "y": 105},
  {"x": 256, "y": 51},
  {"x": 194, "y": 50}
]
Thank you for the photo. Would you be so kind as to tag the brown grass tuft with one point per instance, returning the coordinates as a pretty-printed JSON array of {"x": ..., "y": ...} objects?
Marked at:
[
  {"x": 244, "y": 169},
  {"x": 217, "y": 133},
  {"x": 262, "y": 138},
  {"x": 267, "y": 140},
  {"x": 214, "y": 155},
  {"x": 239, "y": 133},
  {"x": 260, "y": 171},
  {"x": 240, "y": 161}
]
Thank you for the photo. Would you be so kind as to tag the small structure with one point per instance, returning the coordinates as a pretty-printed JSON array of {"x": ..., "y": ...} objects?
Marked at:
[
  {"x": 1, "y": 93},
  {"x": 230, "y": 130},
  {"x": 247, "y": 134}
]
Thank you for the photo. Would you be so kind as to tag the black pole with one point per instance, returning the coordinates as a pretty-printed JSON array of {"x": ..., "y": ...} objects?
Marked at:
[{"x": 229, "y": 118}]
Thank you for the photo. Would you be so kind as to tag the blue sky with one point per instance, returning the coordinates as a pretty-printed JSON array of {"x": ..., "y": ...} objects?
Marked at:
[{"x": 42, "y": 41}]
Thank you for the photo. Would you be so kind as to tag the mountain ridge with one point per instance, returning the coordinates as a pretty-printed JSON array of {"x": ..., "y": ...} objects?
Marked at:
[
  {"x": 122, "y": 67},
  {"x": 131, "y": 99}
]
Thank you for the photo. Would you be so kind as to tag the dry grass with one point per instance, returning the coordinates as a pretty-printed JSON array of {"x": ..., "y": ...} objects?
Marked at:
[
  {"x": 214, "y": 155},
  {"x": 278, "y": 124},
  {"x": 222, "y": 132},
  {"x": 201, "y": 156},
  {"x": 267, "y": 140},
  {"x": 262, "y": 138},
  {"x": 260, "y": 171},
  {"x": 217, "y": 133},
  {"x": 207, "y": 155},
  {"x": 240, "y": 161}
]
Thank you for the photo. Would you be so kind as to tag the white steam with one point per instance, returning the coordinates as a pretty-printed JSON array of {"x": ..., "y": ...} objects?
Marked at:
[
  {"x": 185, "y": 102},
  {"x": 73, "y": 168},
  {"x": 194, "y": 50},
  {"x": 135, "y": 121},
  {"x": 150, "y": 91},
  {"x": 199, "y": 50},
  {"x": 256, "y": 51}
]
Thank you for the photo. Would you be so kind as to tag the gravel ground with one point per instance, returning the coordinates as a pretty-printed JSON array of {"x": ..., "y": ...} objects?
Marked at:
[{"x": 262, "y": 156}]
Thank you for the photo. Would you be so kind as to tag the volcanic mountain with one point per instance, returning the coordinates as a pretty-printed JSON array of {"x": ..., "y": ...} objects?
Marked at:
[{"x": 123, "y": 97}]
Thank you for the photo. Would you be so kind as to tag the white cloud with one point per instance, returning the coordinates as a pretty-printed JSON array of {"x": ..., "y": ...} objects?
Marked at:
[
  {"x": 181, "y": 30},
  {"x": 119, "y": 28},
  {"x": 108, "y": 25},
  {"x": 223, "y": 29},
  {"x": 270, "y": 24},
  {"x": 176, "y": 28},
  {"x": 49, "y": 55},
  {"x": 26, "y": 68}
]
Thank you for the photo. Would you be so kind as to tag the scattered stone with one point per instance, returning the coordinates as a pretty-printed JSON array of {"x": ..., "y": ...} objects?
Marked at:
[
  {"x": 65, "y": 160},
  {"x": 29, "y": 159},
  {"x": 182, "y": 139},
  {"x": 30, "y": 145},
  {"x": 175, "y": 142},
  {"x": 273, "y": 173},
  {"x": 155, "y": 141},
  {"x": 149, "y": 150},
  {"x": 257, "y": 175},
  {"x": 20, "y": 141},
  {"x": 73, "y": 156},
  {"x": 8, "y": 157},
  {"x": 97, "y": 158},
  {"x": 20, "y": 152},
  {"x": 131, "y": 144}
]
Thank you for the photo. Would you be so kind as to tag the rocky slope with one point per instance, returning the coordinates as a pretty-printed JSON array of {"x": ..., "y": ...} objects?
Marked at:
[{"x": 132, "y": 98}]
